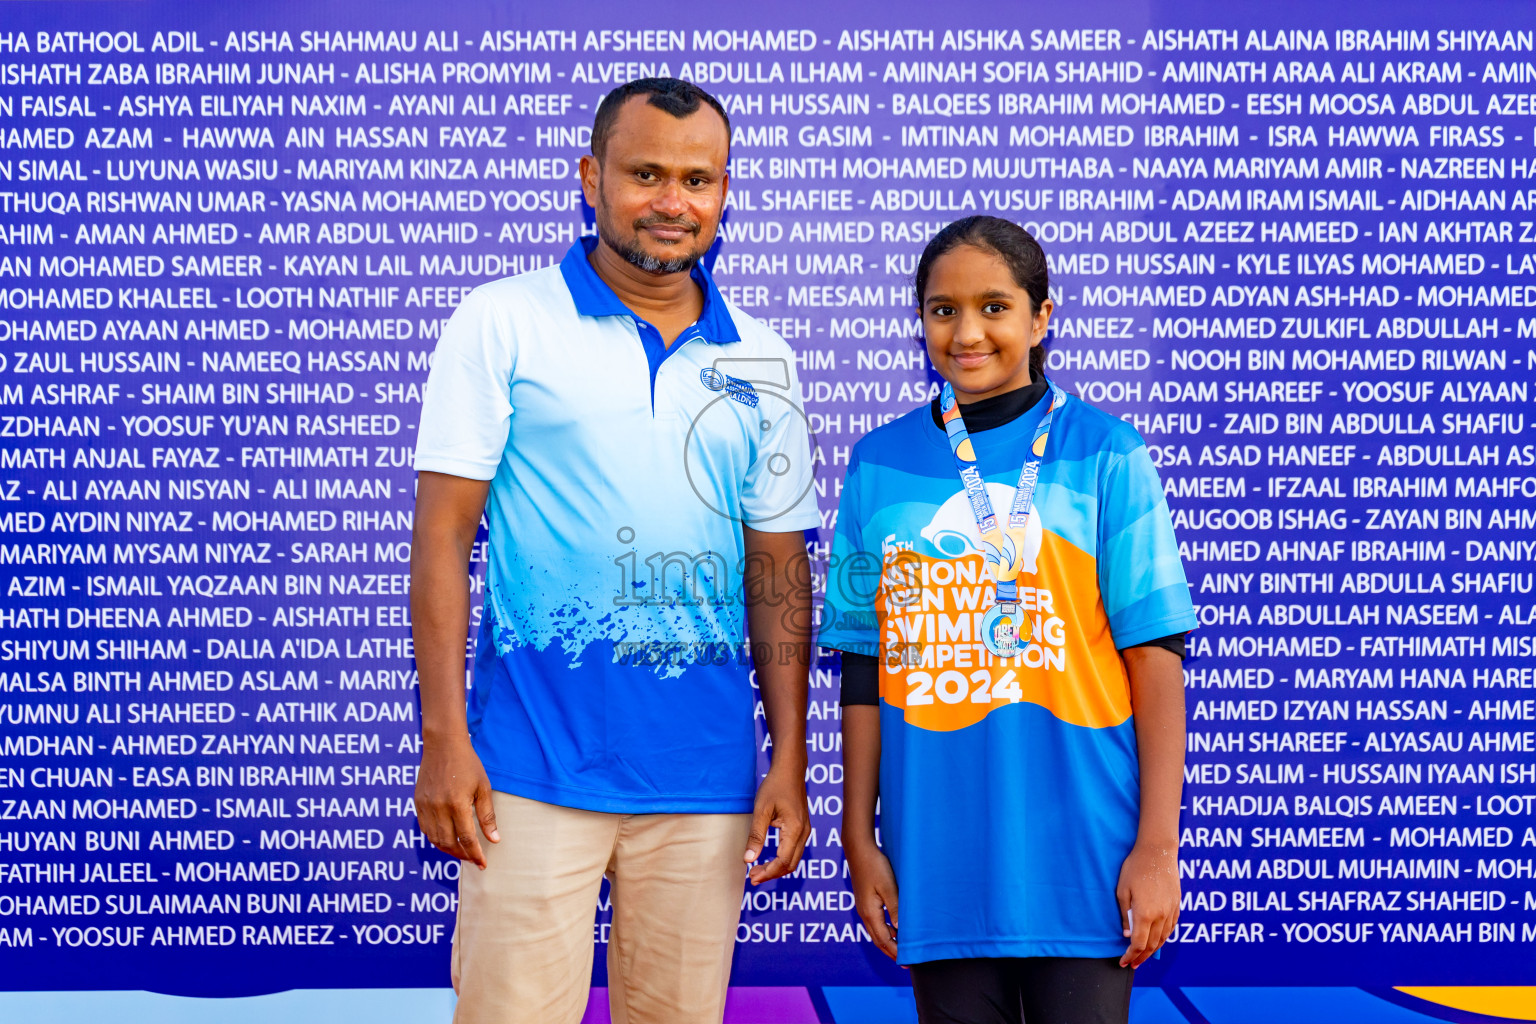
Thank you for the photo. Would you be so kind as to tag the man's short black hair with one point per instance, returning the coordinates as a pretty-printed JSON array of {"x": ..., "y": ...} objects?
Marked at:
[{"x": 675, "y": 96}]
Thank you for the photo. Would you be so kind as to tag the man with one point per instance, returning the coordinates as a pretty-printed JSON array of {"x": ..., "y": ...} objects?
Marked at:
[{"x": 648, "y": 475}]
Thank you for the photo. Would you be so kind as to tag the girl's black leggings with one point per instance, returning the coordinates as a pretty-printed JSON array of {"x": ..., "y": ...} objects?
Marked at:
[{"x": 1023, "y": 990}]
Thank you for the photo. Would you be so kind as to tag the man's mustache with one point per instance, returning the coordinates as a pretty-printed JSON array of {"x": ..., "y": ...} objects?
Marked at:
[{"x": 691, "y": 226}]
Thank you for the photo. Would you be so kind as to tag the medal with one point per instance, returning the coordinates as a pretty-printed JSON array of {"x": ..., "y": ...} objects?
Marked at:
[{"x": 1005, "y": 630}]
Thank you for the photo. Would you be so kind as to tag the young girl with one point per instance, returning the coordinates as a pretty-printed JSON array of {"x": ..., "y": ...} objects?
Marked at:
[{"x": 1008, "y": 594}]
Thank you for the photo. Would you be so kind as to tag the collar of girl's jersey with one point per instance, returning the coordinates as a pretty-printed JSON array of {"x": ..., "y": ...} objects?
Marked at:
[
  {"x": 1034, "y": 412},
  {"x": 997, "y": 411},
  {"x": 593, "y": 297}
]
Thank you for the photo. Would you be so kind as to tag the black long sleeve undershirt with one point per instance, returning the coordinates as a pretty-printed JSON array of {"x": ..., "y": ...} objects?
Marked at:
[{"x": 861, "y": 672}]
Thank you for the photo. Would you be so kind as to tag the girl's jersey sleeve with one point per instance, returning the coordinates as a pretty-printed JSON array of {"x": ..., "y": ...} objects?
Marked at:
[
  {"x": 848, "y": 621},
  {"x": 1141, "y": 576}
]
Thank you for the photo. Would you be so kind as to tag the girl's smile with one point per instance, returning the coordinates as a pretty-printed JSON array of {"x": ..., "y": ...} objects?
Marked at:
[{"x": 971, "y": 360}]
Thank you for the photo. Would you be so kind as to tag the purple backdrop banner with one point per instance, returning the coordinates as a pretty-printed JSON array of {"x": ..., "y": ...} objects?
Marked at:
[{"x": 1294, "y": 246}]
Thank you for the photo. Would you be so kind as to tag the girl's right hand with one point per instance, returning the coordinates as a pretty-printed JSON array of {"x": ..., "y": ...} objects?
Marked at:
[{"x": 874, "y": 895}]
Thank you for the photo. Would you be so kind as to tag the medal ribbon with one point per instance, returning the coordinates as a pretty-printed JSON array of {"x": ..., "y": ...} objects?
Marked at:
[{"x": 1002, "y": 549}]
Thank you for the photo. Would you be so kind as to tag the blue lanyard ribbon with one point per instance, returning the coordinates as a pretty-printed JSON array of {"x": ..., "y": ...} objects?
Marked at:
[{"x": 1000, "y": 551}]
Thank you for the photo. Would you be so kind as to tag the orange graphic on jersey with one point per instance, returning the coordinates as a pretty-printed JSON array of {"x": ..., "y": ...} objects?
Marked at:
[{"x": 935, "y": 667}]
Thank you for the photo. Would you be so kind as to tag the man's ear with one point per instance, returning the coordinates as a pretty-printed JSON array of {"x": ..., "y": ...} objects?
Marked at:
[{"x": 591, "y": 178}]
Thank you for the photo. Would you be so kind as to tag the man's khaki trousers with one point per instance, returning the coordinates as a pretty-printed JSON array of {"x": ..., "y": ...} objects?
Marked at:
[{"x": 522, "y": 949}]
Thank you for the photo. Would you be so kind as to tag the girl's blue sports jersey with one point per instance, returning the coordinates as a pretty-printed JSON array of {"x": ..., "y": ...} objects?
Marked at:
[{"x": 1009, "y": 793}]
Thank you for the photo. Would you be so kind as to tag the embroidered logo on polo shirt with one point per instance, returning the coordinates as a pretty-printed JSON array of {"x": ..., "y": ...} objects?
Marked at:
[{"x": 734, "y": 387}]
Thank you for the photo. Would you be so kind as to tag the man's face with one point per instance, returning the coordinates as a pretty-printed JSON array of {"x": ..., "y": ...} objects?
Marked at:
[{"x": 661, "y": 187}]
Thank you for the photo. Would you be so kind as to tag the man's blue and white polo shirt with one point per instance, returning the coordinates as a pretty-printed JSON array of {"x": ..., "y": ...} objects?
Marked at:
[{"x": 621, "y": 474}]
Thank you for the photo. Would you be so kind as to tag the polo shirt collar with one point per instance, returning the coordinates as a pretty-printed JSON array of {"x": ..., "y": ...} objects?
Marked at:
[{"x": 593, "y": 297}]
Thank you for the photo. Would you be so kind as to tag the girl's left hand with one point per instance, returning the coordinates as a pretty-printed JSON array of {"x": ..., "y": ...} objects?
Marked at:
[{"x": 1148, "y": 893}]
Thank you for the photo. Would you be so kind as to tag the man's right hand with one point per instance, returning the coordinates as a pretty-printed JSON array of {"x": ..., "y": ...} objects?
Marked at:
[
  {"x": 453, "y": 800},
  {"x": 874, "y": 895}
]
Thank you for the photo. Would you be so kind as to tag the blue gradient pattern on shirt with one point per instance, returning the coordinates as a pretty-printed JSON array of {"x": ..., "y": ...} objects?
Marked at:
[{"x": 619, "y": 485}]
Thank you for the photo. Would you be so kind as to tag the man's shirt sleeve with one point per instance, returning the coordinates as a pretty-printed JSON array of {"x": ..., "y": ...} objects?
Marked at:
[
  {"x": 466, "y": 412},
  {"x": 848, "y": 614},
  {"x": 778, "y": 495},
  {"x": 1141, "y": 576}
]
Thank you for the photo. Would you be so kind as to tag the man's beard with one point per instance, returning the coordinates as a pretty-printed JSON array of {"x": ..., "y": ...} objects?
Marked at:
[
  {"x": 654, "y": 264},
  {"x": 632, "y": 253}
]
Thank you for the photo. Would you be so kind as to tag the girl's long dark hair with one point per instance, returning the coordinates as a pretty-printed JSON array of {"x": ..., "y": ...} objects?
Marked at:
[{"x": 1017, "y": 249}]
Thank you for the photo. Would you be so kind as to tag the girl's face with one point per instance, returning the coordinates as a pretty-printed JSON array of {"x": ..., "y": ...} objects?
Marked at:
[{"x": 979, "y": 324}]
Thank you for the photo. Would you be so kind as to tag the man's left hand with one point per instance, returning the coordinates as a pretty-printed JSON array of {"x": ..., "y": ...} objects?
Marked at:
[{"x": 780, "y": 804}]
